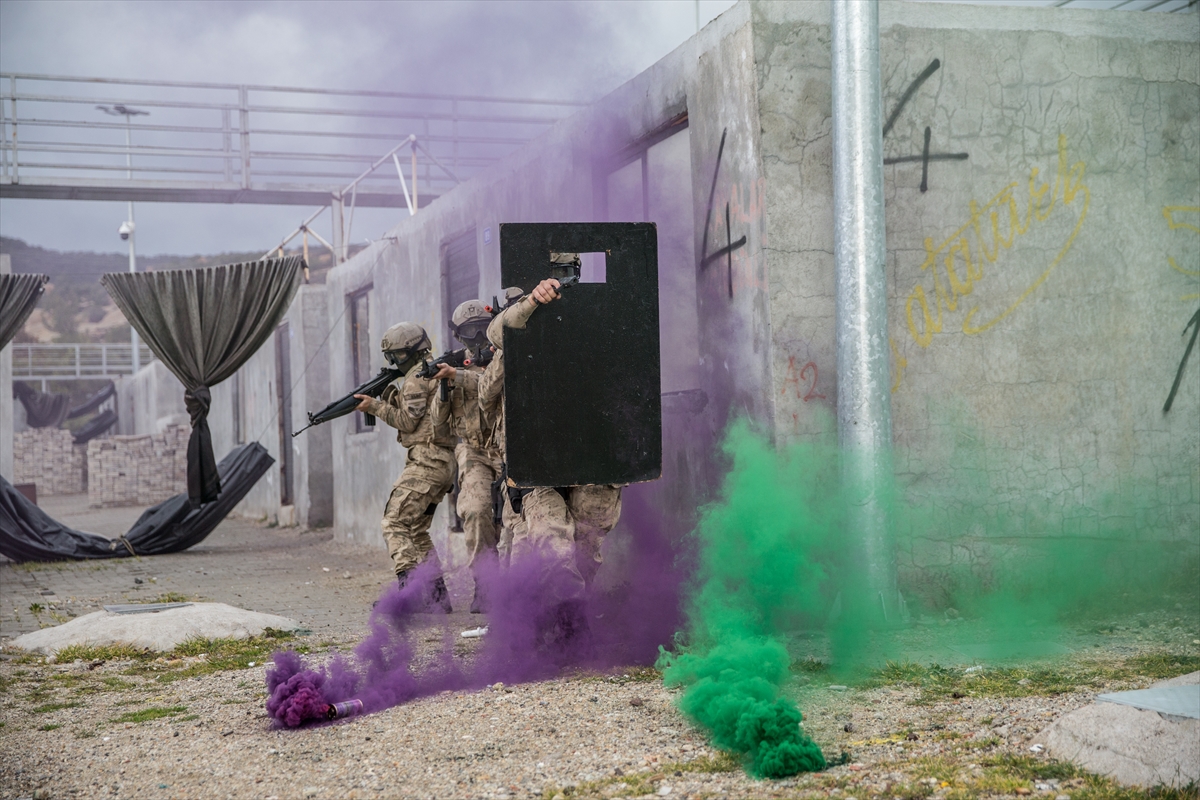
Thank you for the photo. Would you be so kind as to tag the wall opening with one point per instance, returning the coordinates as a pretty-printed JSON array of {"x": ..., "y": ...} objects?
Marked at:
[{"x": 651, "y": 181}]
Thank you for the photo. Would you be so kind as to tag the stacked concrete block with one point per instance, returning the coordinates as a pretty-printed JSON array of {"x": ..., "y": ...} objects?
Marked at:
[
  {"x": 49, "y": 458},
  {"x": 137, "y": 470}
]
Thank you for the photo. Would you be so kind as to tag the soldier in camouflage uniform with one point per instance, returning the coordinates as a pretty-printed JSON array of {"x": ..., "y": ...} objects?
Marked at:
[
  {"x": 478, "y": 455},
  {"x": 569, "y": 522},
  {"x": 429, "y": 468}
]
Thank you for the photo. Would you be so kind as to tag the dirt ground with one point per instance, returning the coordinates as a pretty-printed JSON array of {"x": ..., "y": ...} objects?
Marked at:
[{"x": 192, "y": 724}]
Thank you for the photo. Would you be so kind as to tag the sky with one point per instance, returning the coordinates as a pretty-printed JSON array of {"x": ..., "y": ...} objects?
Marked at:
[{"x": 559, "y": 50}]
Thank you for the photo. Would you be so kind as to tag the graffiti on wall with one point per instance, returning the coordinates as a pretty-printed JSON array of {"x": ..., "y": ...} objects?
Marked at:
[
  {"x": 1183, "y": 218},
  {"x": 955, "y": 267},
  {"x": 926, "y": 156},
  {"x": 724, "y": 253}
]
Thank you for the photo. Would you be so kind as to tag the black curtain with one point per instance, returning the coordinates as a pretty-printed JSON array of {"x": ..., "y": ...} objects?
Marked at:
[
  {"x": 18, "y": 295},
  {"x": 29, "y": 534},
  {"x": 204, "y": 324},
  {"x": 42, "y": 409}
]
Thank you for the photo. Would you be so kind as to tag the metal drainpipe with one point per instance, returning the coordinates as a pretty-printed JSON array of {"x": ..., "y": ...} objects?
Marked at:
[{"x": 864, "y": 399}]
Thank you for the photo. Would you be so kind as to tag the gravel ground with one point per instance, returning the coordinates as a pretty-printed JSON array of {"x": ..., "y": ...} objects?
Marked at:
[{"x": 581, "y": 735}]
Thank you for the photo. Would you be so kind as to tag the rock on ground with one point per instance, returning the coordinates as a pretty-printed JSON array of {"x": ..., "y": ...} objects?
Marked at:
[
  {"x": 1132, "y": 746},
  {"x": 161, "y": 630}
]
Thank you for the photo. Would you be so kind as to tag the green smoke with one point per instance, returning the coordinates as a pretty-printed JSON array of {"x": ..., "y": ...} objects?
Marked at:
[
  {"x": 1019, "y": 566},
  {"x": 756, "y": 566}
]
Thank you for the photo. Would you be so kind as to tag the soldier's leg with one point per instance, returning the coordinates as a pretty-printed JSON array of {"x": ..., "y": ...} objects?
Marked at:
[
  {"x": 475, "y": 477},
  {"x": 406, "y": 521},
  {"x": 475, "y": 509},
  {"x": 596, "y": 510},
  {"x": 550, "y": 529}
]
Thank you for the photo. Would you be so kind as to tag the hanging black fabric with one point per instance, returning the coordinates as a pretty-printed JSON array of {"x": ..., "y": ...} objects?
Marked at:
[
  {"x": 18, "y": 295},
  {"x": 28, "y": 534},
  {"x": 42, "y": 409},
  {"x": 204, "y": 324},
  {"x": 92, "y": 403}
]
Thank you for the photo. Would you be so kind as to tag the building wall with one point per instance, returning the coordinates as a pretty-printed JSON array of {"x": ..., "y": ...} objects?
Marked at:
[
  {"x": 311, "y": 451},
  {"x": 1048, "y": 341},
  {"x": 149, "y": 401},
  {"x": 565, "y": 176}
]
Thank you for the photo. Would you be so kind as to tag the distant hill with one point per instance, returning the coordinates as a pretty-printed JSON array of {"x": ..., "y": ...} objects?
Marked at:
[
  {"x": 90, "y": 266},
  {"x": 76, "y": 308}
]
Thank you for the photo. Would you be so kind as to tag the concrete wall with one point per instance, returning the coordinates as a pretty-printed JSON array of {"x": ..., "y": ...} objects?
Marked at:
[
  {"x": 1049, "y": 339},
  {"x": 308, "y": 320},
  {"x": 149, "y": 401},
  {"x": 6, "y": 397}
]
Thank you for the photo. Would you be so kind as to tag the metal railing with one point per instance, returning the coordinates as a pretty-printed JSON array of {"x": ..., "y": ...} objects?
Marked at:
[
  {"x": 71, "y": 362},
  {"x": 212, "y": 142}
]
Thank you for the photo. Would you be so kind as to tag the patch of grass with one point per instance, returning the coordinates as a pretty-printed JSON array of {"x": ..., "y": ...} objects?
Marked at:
[
  {"x": 938, "y": 683},
  {"x": 109, "y": 652},
  {"x": 48, "y": 707},
  {"x": 49, "y": 727},
  {"x": 809, "y": 666},
  {"x": 147, "y": 714},
  {"x": 114, "y": 684},
  {"x": 171, "y": 597},
  {"x": 188, "y": 718},
  {"x": 221, "y": 654},
  {"x": 1163, "y": 665},
  {"x": 643, "y": 674},
  {"x": 36, "y": 608},
  {"x": 28, "y": 658},
  {"x": 641, "y": 783},
  {"x": 1031, "y": 768}
]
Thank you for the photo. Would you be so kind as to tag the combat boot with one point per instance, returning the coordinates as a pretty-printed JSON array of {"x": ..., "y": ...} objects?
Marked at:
[
  {"x": 479, "y": 603},
  {"x": 439, "y": 597}
]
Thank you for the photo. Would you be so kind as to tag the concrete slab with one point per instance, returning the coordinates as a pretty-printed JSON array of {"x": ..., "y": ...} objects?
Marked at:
[
  {"x": 163, "y": 630},
  {"x": 1174, "y": 701},
  {"x": 1133, "y": 746}
]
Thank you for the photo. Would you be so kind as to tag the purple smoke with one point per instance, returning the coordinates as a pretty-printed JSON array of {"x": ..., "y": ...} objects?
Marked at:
[{"x": 532, "y": 635}]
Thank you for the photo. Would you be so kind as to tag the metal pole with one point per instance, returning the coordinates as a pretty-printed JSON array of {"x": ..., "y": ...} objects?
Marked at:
[
  {"x": 133, "y": 336},
  {"x": 864, "y": 400},
  {"x": 414, "y": 174},
  {"x": 339, "y": 244}
]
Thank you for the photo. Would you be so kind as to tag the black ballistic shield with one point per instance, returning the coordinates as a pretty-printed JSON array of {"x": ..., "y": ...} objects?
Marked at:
[{"x": 581, "y": 386}]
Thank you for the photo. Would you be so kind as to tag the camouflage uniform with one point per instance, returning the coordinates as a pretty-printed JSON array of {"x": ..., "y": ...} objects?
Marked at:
[
  {"x": 479, "y": 464},
  {"x": 569, "y": 522},
  {"x": 428, "y": 471}
]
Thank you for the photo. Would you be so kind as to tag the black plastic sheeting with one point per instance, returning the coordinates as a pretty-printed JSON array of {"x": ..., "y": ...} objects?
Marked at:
[
  {"x": 96, "y": 426},
  {"x": 93, "y": 402},
  {"x": 42, "y": 409},
  {"x": 28, "y": 534}
]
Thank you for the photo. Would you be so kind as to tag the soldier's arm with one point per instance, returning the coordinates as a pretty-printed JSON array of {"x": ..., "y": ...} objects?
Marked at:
[
  {"x": 491, "y": 384},
  {"x": 403, "y": 410},
  {"x": 518, "y": 314}
]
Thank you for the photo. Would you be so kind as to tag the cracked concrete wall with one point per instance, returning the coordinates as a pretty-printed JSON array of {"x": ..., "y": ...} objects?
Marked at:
[{"x": 1042, "y": 261}]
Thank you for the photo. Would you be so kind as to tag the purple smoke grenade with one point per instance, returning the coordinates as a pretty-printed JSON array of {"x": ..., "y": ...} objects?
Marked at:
[
  {"x": 348, "y": 708},
  {"x": 533, "y": 634}
]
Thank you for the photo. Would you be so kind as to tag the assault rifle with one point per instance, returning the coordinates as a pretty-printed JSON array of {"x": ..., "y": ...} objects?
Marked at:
[
  {"x": 344, "y": 405},
  {"x": 457, "y": 359}
]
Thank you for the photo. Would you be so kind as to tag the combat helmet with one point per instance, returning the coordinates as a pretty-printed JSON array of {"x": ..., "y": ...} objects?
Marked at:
[
  {"x": 470, "y": 322},
  {"x": 403, "y": 343}
]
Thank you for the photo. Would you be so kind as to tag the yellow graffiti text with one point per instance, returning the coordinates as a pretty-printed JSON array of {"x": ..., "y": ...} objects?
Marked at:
[
  {"x": 989, "y": 230},
  {"x": 1170, "y": 212}
]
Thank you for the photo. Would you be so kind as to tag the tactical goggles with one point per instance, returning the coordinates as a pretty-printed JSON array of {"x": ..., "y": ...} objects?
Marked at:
[{"x": 472, "y": 330}]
